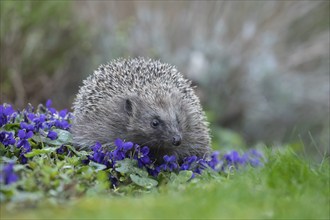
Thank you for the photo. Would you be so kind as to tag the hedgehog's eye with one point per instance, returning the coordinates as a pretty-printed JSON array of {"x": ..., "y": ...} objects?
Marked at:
[{"x": 155, "y": 123}]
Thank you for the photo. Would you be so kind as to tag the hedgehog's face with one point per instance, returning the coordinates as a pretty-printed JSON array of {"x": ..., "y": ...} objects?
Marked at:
[{"x": 157, "y": 122}]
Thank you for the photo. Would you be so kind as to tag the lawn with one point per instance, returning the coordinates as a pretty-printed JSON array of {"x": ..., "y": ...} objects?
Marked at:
[{"x": 46, "y": 178}]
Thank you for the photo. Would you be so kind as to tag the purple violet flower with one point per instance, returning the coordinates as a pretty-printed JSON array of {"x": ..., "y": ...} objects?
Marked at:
[
  {"x": 253, "y": 157},
  {"x": 99, "y": 155},
  {"x": 23, "y": 159},
  {"x": 23, "y": 135},
  {"x": 8, "y": 175},
  {"x": 142, "y": 156},
  {"x": 154, "y": 171},
  {"x": 63, "y": 113},
  {"x": 48, "y": 106},
  {"x": 7, "y": 138},
  {"x": 187, "y": 162},
  {"x": 29, "y": 108},
  {"x": 214, "y": 160},
  {"x": 26, "y": 126},
  {"x": 48, "y": 103},
  {"x": 201, "y": 164},
  {"x": 62, "y": 124},
  {"x": 122, "y": 147},
  {"x": 38, "y": 121},
  {"x": 169, "y": 164},
  {"x": 31, "y": 116},
  {"x": 60, "y": 150},
  {"x": 5, "y": 112},
  {"x": 233, "y": 158},
  {"x": 52, "y": 135}
]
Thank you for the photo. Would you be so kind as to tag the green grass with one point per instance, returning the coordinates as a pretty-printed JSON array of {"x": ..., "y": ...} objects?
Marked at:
[{"x": 286, "y": 187}]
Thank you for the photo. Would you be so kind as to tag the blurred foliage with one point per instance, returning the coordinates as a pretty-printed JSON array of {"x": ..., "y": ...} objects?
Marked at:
[
  {"x": 41, "y": 43},
  {"x": 225, "y": 139}
]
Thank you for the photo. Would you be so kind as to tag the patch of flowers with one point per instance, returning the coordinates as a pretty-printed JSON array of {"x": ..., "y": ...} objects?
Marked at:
[
  {"x": 123, "y": 150},
  {"x": 36, "y": 151}
]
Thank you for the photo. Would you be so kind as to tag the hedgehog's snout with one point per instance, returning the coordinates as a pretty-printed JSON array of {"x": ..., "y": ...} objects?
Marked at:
[{"x": 176, "y": 141}]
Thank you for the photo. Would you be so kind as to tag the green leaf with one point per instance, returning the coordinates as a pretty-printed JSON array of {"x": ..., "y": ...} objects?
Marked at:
[
  {"x": 3, "y": 150},
  {"x": 80, "y": 152},
  {"x": 6, "y": 192},
  {"x": 39, "y": 138},
  {"x": 125, "y": 166},
  {"x": 102, "y": 176},
  {"x": 73, "y": 160},
  {"x": 64, "y": 137},
  {"x": 184, "y": 176},
  {"x": 13, "y": 126},
  {"x": 97, "y": 166},
  {"x": 143, "y": 181},
  {"x": 140, "y": 172},
  {"x": 129, "y": 166},
  {"x": 36, "y": 152}
]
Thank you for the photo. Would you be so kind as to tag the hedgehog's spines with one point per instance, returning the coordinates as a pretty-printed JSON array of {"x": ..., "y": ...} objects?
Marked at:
[{"x": 98, "y": 105}]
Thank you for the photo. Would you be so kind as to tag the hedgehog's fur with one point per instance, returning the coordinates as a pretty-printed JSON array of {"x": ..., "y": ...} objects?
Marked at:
[{"x": 123, "y": 98}]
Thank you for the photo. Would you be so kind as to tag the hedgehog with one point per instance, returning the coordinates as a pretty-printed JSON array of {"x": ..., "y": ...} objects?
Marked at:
[{"x": 143, "y": 101}]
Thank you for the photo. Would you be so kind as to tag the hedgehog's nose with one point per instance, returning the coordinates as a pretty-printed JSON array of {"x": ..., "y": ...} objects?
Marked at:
[{"x": 176, "y": 140}]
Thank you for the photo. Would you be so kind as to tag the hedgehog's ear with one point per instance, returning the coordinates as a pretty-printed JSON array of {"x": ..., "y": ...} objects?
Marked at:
[
  {"x": 130, "y": 104},
  {"x": 128, "y": 107}
]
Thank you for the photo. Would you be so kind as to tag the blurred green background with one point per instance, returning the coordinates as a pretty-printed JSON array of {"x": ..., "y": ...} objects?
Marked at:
[{"x": 262, "y": 68}]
